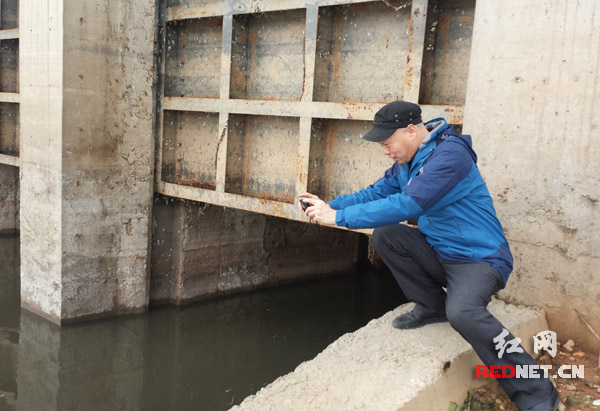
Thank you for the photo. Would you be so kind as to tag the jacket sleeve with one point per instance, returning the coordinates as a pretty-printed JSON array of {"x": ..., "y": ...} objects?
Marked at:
[
  {"x": 436, "y": 186},
  {"x": 392, "y": 182}
]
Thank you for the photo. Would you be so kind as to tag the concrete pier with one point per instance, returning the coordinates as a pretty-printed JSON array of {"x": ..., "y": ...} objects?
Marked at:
[{"x": 87, "y": 153}]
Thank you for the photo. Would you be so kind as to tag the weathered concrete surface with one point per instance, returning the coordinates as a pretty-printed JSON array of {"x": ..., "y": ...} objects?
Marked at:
[
  {"x": 87, "y": 156},
  {"x": 41, "y": 138},
  {"x": 532, "y": 108},
  {"x": 381, "y": 368},
  {"x": 9, "y": 198},
  {"x": 201, "y": 251}
]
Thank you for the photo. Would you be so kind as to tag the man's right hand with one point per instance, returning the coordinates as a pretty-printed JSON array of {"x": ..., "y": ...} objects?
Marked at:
[{"x": 319, "y": 211}]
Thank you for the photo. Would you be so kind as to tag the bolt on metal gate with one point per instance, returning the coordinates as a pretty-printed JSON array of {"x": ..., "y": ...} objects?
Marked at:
[{"x": 262, "y": 100}]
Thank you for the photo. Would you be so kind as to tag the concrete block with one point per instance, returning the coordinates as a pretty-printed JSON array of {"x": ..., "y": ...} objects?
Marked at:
[{"x": 381, "y": 368}]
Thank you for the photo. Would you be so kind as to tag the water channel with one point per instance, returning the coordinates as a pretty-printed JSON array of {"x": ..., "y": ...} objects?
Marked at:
[{"x": 205, "y": 356}]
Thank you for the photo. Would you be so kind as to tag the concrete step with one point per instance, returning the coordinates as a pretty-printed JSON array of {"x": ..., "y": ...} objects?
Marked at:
[{"x": 381, "y": 368}]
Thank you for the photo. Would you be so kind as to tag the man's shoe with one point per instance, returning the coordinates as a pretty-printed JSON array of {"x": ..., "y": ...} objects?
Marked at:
[
  {"x": 409, "y": 321},
  {"x": 552, "y": 403}
]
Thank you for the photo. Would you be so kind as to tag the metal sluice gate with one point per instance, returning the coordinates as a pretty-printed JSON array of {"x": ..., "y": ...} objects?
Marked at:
[{"x": 262, "y": 100}]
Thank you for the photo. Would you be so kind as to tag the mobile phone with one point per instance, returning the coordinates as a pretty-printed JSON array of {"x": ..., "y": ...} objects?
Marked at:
[{"x": 303, "y": 204}]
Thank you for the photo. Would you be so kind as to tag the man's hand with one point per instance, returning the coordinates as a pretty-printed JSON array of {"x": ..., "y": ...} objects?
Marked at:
[{"x": 319, "y": 211}]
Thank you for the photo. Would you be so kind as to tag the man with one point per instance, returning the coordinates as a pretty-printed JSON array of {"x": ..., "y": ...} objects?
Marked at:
[{"x": 459, "y": 243}]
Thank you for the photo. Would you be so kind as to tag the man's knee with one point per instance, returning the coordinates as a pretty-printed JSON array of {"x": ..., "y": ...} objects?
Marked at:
[
  {"x": 381, "y": 237},
  {"x": 395, "y": 233},
  {"x": 461, "y": 317}
]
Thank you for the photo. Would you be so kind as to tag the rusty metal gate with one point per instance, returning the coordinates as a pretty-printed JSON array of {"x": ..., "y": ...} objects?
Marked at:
[
  {"x": 9, "y": 82},
  {"x": 262, "y": 100}
]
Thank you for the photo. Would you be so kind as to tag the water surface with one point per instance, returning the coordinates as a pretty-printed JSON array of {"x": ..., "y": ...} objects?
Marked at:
[{"x": 206, "y": 356}]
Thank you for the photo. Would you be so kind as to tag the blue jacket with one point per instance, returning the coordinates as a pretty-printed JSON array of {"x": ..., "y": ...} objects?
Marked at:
[{"x": 443, "y": 189}]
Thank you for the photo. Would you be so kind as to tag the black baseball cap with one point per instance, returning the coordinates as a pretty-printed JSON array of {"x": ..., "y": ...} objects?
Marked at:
[{"x": 391, "y": 117}]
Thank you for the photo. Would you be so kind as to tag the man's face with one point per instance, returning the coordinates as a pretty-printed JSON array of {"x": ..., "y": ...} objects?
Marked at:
[{"x": 400, "y": 146}]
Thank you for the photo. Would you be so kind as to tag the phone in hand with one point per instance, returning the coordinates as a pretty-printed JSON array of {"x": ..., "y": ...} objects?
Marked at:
[{"x": 304, "y": 204}]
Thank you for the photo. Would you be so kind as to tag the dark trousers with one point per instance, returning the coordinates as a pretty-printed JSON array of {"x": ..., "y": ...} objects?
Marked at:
[{"x": 469, "y": 288}]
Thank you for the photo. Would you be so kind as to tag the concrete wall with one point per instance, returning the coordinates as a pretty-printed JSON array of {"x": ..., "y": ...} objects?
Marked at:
[
  {"x": 532, "y": 107},
  {"x": 87, "y": 153},
  {"x": 9, "y": 198},
  {"x": 201, "y": 251}
]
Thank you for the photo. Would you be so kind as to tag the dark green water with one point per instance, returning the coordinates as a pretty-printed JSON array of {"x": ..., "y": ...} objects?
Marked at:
[{"x": 207, "y": 356}]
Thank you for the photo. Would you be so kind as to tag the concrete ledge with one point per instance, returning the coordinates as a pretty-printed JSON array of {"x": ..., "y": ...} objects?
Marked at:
[{"x": 381, "y": 368}]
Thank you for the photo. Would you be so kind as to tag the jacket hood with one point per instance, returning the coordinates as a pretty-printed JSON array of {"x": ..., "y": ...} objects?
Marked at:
[{"x": 441, "y": 131}]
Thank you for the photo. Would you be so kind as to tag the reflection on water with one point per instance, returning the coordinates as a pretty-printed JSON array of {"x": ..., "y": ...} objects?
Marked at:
[
  {"x": 208, "y": 356},
  {"x": 9, "y": 319}
]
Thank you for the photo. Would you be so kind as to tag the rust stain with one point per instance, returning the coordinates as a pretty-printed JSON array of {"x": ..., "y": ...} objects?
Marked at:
[
  {"x": 443, "y": 37},
  {"x": 329, "y": 153},
  {"x": 264, "y": 197},
  {"x": 238, "y": 72},
  {"x": 408, "y": 75},
  {"x": 336, "y": 57},
  {"x": 408, "y": 80},
  {"x": 237, "y": 81},
  {"x": 252, "y": 50},
  {"x": 246, "y": 137},
  {"x": 194, "y": 183}
]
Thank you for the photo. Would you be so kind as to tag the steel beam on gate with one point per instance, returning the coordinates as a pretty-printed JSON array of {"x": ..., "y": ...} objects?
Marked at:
[
  {"x": 224, "y": 7},
  {"x": 10, "y": 98},
  {"x": 9, "y": 34},
  {"x": 416, "y": 45},
  {"x": 9, "y": 160},
  {"x": 241, "y": 202},
  {"x": 313, "y": 109}
]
